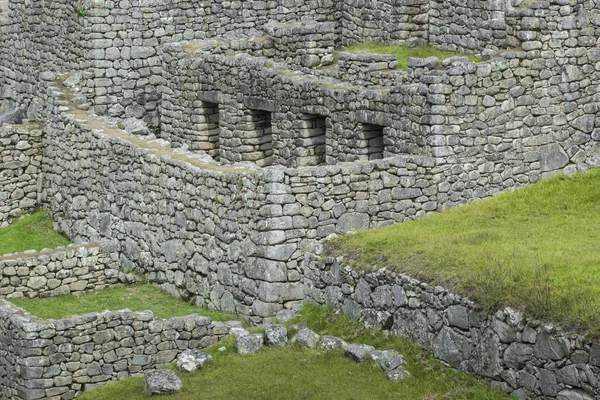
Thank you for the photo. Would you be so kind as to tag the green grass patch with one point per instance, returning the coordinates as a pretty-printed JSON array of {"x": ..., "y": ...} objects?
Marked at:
[
  {"x": 404, "y": 52},
  {"x": 534, "y": 249},
  {"x": 137, "y": 298},
  {"x": 33, "y": 232},
  {"x": 294, "y": 373}
]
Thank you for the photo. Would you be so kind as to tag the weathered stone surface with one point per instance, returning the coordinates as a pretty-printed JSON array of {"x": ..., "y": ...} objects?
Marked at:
[
  {"x": 192, "y": 360},
  {"x": 358, "y": 352},
  {"x": 161, "y": 381},
  {"x": 249, "y": 344},
  {"x": 332, "y": 343},
  {"x": 553, "y": 157},
  {"x": 276, "y": 335},
  {"x": 306, "y": 338}
]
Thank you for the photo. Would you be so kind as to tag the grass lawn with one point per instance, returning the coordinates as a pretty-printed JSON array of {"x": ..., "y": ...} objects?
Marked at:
[
  {"x": 33, "y": 232},
  {"x": 535, "y": 249},
  {"x": 136, "y": 298},
  {"x": 293, "y": 373},
  {"x": 403, "y": 52}
]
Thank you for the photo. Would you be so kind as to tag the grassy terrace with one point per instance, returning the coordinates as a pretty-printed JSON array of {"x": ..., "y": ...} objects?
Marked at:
[
  {"x": 292, "y": 373},
  {"x": 404, "y": 52},
  {"x": 136, "y": 298},
  {"x": 33, "y": 232},
  {"x": 535, "y": 249}
]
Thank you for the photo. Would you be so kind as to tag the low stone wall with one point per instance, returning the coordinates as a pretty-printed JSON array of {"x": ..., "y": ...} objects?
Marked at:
[
  {"x": 521, "y": 356},
  {"x": 59, "y": 359},
  {"x": 68, "y": 270},
  {"x": 20, "y": 170}
]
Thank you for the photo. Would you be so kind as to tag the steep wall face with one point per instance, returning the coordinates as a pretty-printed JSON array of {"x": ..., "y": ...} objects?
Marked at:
[
  {"x": 123, "y": 71},
  {"x": 523, "y": 357},
  {"x": 389, "y": 21},
  {"x": 20, "y": 170},
  {"x": 36, "y": 37},
  {"x": 467, "y": 26}
]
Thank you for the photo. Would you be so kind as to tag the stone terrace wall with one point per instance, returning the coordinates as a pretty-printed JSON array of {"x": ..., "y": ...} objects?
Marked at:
[
  {"x": 468, "y": 26},
  {"x": 59, "y": 359},
  {"x": 523, "y": 357},
  {"x": 69, "y": 270},
  {"x": 226, "y": 238},
  {"x": 20, "y": 170}
]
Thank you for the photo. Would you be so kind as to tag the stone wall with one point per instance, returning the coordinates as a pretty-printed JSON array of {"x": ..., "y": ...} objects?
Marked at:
[
  {"x": 389, "y": 21},
  {"x": 523, "y": 357},
  {"x": 20, "y": 170},
  {"x": 70, "y": 270},
  {"x": 36, "y": 38},
  {"x": 59, "y": 359},
  {"x": 468, "y": 26},
  {"x": 229, "y": 238}
]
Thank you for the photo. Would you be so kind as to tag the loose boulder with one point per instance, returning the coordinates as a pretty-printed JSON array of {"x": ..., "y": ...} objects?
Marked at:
[
  {"x": 358, "y": 352},
  {"x": 192, "y": 360},
  {"x": 332, "y": 343},
  {"x": 249, "y": 344},
  {"x": 161, "y": 381},
  {"x": 276, "y": 335},
  {"x": 306, "y": 338}
]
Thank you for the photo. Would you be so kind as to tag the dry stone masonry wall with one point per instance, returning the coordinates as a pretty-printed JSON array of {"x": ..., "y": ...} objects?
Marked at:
[
  {"x": 20, "y": 170},
  {"x": 59, "y": 359},
  {"x": 526, "y": 358},
  {"x": 70, "y": 270}
]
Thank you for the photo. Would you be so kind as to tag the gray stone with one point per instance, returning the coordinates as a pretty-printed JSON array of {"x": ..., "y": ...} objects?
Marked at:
[
  {"x": 553, "y": 157},
  {"x": 249, "y": 344},
  {"x": 358, "y": 352},
  {"x": 332, "y": 343},
  {"x": 573, "y": 394},
  {"x": 161, "y": 381},
  {"x": 353, "y": 222},
  {"x": 551, "y": 347},
  {"x": 397, "y": 374},
  {"x": 192, "y": 360},
  {"x": 276, "y": 335},
  {"x": 306, "y": 338}
]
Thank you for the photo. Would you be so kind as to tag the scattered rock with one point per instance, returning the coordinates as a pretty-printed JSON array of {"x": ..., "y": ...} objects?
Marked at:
[
  {"x": 397, "y": 375},
  {"x": 306, "y": 338},
  {"x": 192, "y": 360},
  {"x": 276, "y": 335},
  {"x": 332, "y": 343},
  {"x": 249, "y": 344},
  {"x": 299, "y": 326},
  {"x": 388, "y": 359},
  {"x": 358, "y": 352},
  {"x": 286, "y": 315},
  {"x": 238, "y": 331},
  {"x": 161, "y": 381}
]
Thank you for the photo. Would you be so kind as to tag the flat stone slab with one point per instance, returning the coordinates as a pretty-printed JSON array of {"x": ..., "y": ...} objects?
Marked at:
[{"x": 161, "y": 381}]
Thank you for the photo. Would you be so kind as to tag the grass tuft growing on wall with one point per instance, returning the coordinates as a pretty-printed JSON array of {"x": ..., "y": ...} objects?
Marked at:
[
  {"x": 404, "y": 52},
  {"x": 136, "y": 298},
  {"x": 293, "y": 373},
  {"x": 32, "y": 232},
  {"x": 534, "y": 249}
]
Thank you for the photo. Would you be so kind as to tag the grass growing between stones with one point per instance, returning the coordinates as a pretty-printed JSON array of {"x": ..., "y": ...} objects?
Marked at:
[
  {"x": 136, "y": 298},
  {"x": 404, "y": 52},
  {"x": 33, "y": 232},
  {"x": 294, "y": 373},
  {"x": 535, "y": 249}
]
